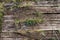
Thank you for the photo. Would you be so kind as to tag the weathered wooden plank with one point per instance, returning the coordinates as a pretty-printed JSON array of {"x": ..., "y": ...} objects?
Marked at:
[
  {"x": 12, "y": 36},
  {"x": 51, "y": 22}
]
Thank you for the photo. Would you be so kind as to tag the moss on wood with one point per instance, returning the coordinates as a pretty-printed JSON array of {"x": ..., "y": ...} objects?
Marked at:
[{"x": 1, "y": 21}]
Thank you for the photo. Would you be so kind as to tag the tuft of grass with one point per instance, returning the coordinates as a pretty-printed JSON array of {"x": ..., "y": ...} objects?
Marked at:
[{"x": 32, "y": 22}]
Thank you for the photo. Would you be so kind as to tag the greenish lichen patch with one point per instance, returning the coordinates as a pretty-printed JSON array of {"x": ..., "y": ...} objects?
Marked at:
[
  {"x": 1, "y": 21},
  {"x": 1, "y": 15}
]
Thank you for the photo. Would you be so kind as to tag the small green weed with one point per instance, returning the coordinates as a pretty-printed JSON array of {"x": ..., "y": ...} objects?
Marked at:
[{"x": 32, "y": 22}]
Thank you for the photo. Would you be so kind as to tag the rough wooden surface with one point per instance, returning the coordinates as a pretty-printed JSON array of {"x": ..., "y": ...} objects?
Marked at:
[
  {"x": 13, "y": 36},
  {"x": 51, "y": 22}
]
